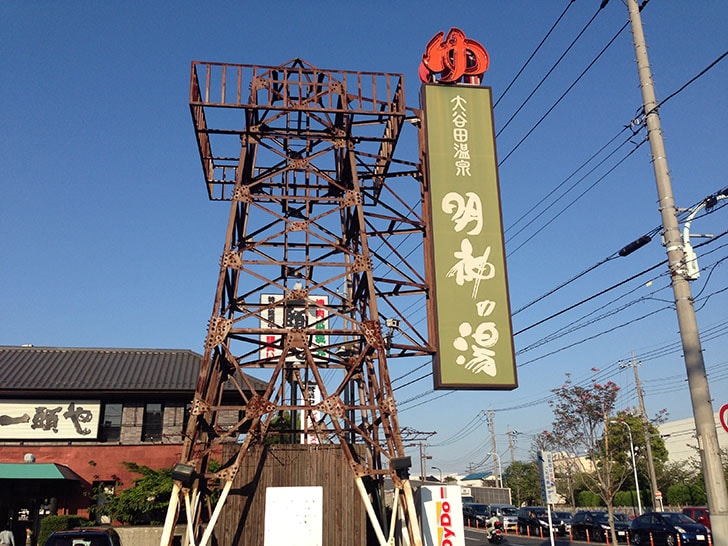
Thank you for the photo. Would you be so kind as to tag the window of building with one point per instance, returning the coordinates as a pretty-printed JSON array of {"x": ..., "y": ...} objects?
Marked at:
[
  {"x": 111, "y": 423},
  {"x": 152, "y": 425}
]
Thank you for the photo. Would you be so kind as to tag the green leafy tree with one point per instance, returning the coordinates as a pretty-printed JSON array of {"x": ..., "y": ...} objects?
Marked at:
[
  {"x": 280, "y": 430},
  {"x": 145, "y": 502},
  {"x": 581, "y": 428},
  {"x": 629, "y": 422},
  {"x": 524, "y": 482}
]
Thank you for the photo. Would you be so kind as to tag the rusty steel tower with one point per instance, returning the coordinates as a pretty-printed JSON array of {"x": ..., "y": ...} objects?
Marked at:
[{"x": 321, "y": 284}]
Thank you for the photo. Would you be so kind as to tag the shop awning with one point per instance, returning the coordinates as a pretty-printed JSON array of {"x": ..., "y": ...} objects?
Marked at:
[{"x": 36, "y": 471}]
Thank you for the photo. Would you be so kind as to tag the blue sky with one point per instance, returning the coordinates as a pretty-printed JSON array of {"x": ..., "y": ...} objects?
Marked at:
[{"x": 108, "y": 239}]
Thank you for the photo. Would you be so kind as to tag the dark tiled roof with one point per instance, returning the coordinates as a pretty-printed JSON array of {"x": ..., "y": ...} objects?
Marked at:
[{"x": 37, "y": 369}]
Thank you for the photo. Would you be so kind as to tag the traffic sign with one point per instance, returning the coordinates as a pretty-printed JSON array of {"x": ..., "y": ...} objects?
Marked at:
[{"x": 724, "y": 416}]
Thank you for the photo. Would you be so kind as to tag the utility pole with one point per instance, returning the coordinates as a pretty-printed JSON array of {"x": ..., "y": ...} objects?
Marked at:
[
  {"x": 511, "y": 444},
  {"x": 424, "y": 457},
  {"x": 656, "y": 499},
  {"x": 490, "y": 419},
  {"x": 706, "y": 433}
]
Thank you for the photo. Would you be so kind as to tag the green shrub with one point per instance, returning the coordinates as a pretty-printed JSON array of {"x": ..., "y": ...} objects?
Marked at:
[
  {"x": 50, "y": 524},
  {"x": 587, "y": 498},
  {"x": 626, "y": 498}
]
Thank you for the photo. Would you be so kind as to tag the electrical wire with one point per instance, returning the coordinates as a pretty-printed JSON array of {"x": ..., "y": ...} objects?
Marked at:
[
  {"x": 582, "y": 194},
  {"x": 599, "y": 334},
  {"x": 563, "y": 95},
  {"x": 693, "y": 79},
  {"x": 553, "y": 67},
  {"x": 584, "y": 164},
  {"x": 590, "y": 298},
  {"x": 508, "y": 87}
]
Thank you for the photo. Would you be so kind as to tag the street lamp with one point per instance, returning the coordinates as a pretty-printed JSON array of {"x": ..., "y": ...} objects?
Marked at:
[
  {"x": 634, "y": 465},
  {"x": 438, "y": 468},
  {"x": 500, "y": 475}
]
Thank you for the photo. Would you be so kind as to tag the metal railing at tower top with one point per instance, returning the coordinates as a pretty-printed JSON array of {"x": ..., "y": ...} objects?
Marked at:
[
  {"x": 235, "y": 103},
  {"x": 240, "y": 85}
]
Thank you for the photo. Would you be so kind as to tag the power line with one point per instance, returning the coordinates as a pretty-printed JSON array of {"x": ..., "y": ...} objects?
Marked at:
[
  {"x": 693, "y": 79},
  {"x": 584, "y": 164},
  {"x": 534, "y": 52},
  {"x": 563, "y": 95},
  {"x": 582, "y": 194},
  {"x": 545, "y": 77}
]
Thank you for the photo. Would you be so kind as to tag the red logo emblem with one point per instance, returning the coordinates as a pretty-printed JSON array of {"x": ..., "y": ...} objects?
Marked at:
[{"x": 453, "y": 58}]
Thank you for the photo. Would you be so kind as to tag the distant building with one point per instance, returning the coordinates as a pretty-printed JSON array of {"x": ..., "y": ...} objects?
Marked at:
[
  {"x": 569, "y": 464},
  {"x": 680, "y": 441},
  {"x": 480, "y": 479},
  {"x": 70, "y": 418}
]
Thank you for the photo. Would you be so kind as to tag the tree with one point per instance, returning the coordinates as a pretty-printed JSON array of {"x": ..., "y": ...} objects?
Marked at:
[
  {"x": 631, "y": 422},
  {"x": 524, "y": 482},
  {"x": 280, "y": 430},
  {"x": 581, "y": 428},
  {"x": 144, "y": 503}
]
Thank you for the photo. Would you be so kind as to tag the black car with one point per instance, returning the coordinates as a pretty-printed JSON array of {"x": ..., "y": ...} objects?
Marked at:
[
  {"x": 594, "y": 525},
  {"x": 475, "y": 514},
  {"x": 668, "y": 528},
  {"x": 84, "y": 537},
  {"x": 534, "y": 521},
  {"x": 566, "y": 517}
]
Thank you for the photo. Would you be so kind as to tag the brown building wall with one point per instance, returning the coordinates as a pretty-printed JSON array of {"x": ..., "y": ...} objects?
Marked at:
[{"x": 98, "y": 462}]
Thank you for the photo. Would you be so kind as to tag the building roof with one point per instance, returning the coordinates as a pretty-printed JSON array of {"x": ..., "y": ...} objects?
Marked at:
[
  {"x": 477, "y": 476},
  {"x": 37, "y": 370}
]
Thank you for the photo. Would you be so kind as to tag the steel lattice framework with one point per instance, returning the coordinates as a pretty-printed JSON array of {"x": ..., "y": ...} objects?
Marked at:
[{"x": 322, "y": 280}]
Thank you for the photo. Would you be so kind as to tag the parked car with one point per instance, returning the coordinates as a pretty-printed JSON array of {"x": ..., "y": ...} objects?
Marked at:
[
  {"x": 594, "y": 525},
  {"x": 507, "y": 514},
  {"x": 669, "y": 529},
  {"x": 701, "y": 514},
  {"x": 534, "y": 520},
  {"x": 91, "y": 536},
  {"x": 475, "y": 514},
  {"x": 565, "y": 517}
]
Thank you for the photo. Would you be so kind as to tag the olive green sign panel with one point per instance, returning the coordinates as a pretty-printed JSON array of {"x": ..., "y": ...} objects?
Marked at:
[{"x": 474, "y": 334}]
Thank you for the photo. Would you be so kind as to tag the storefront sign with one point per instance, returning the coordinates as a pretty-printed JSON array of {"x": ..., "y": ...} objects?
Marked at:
[
  {"x": 49, "y": 420},
  {"x": 474, "y": 334}
]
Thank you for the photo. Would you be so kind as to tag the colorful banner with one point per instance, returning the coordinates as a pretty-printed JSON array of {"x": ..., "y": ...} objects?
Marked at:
[{"x": 474, "y": 334}]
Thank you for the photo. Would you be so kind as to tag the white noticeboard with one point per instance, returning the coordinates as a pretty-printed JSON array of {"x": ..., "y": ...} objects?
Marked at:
[
  {"x": 441, "y": 513},
  {"x": 294, "y": 515}
]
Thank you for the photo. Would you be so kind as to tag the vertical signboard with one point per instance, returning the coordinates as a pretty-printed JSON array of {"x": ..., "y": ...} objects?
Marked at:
[
  {"x": 313, "y": 395},
  {"x": 548, "y": 477},
  {"x": 474, "y": 334},
  {"x": 441, "y": 513}
]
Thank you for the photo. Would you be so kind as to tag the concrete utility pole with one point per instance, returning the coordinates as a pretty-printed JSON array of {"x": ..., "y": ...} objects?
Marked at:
[
  {"x": 490, "y": 419},
  {"x": 656, "y": 498},
  {"x": 511, "y": 444},
  {"x": 707, "y": 435}
]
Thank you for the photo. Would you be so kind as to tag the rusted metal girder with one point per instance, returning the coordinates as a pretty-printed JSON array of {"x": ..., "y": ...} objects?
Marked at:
[{"x": 322, "y": 277}]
